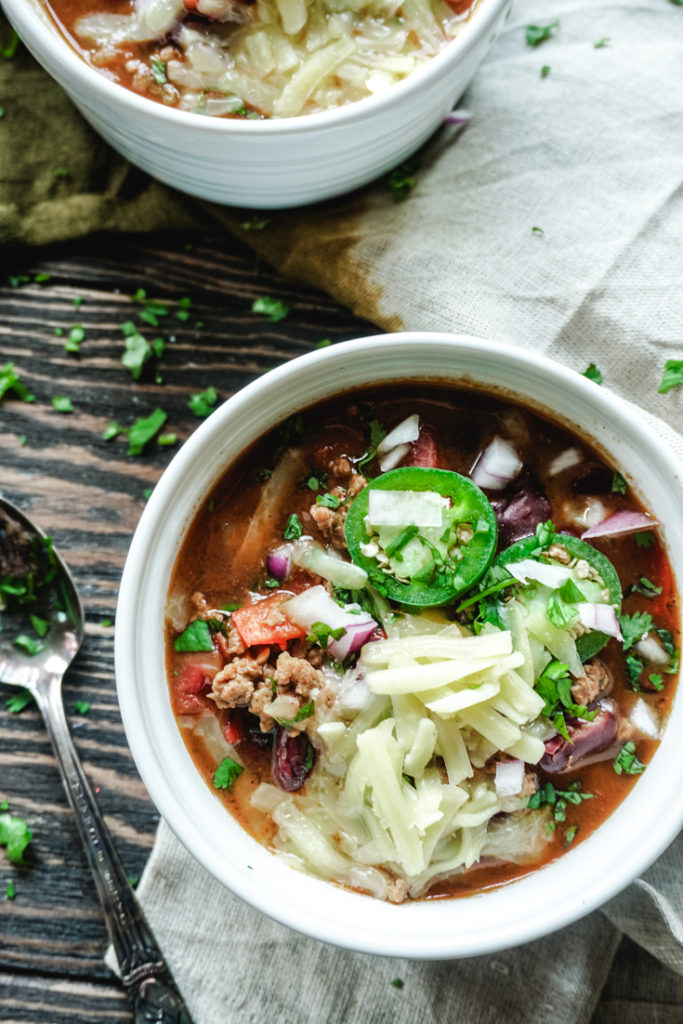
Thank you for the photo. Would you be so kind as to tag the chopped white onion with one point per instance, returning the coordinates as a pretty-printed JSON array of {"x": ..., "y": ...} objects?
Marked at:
[
  {"x": 552, "y": 576},
  {"x": 621, "y": 522},
  {"x": 497, "y": 465},
  {"x": 565, "y": 460},
  {"x": 316, "y": 605},
  {"x": 599, "y": 616},
  {"x": 644, "y": 719},
  {"x": 509, "y": 777},
  {"x": 406, "y": 508},
  {"x": 283, "y": 707},
  {"x": 393, "y": 457},
  {"x": 650, "y": 648},
  {"x": 406, "y": 431}
]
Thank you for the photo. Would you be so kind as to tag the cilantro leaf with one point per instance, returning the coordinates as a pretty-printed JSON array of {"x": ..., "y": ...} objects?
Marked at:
[
  {"x": 202, "y": 403},
  {"x": 600, "y": 43},
  {"x": 143, "y": 430},
  {"x": 158, "y": 70},
  {"x": 321, "y": 634},
  {"x": 81, "y": 707},
  {"x": 274, "y": 309},
  {"x": 634, "y": 668},
  {"x": 329, "y": 500},
  {"x": 619, "y": 485},
  {"x": 15, "y": 835},
  {"x": 136, "y": 350},
  {"x": 537, "y": 34},
  {"x": 62, "y": 403},
  {"x": 377, "y": 434},
  {"x": 9, "y": 381},
  {"x": 545, "y": 71},
  {"x": 645, "y": 587},
  {"x": 111, "y": 431},
  {"x": 255, "y": 223},
  {"x": 593, "y": 374},
  {"x": 28, "y": 645},
  {"x": 10, "y": 891},
  {"x": 626, "y": 762},
  {"x": 645, "y": 540},
  {"x": 227, "y": 772},
  {"x": 673, "y": 376},
  {"x": 634, "y": 627},
  {"x": 41, "y": 626},
  {"x": 293, "y": 528},
  {"x": 195, "y": 637},
  {"x": 76, "y": 336},
  {"x": 18, "y": 701},
  {"x": 402, "y": 180}
]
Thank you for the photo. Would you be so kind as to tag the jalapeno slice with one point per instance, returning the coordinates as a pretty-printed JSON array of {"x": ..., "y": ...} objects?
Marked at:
[
  {"x": 528, "y": 547},
  {"x": 417, "y": 564}
]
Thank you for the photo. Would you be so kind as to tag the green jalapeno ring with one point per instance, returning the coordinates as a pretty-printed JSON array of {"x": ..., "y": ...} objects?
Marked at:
[
  {"x": 477, "y": 554},
  {"x": 588, "y": 644}
]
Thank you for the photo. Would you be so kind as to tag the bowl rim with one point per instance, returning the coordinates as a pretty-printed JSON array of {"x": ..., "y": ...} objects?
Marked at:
[
  {"x": 47, "y": 35},
  {"x": 403, "y": 935}
]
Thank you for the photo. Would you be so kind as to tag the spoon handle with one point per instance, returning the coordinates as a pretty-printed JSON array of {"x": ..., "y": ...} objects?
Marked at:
[{"x": 146, "y": 977}]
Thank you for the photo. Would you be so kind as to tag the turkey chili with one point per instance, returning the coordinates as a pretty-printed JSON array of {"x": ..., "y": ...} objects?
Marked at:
[{"x": 422, "y": 640}]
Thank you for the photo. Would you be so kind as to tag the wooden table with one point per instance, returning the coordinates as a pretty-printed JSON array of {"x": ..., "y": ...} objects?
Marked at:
[{"x": 89, "y": 494}]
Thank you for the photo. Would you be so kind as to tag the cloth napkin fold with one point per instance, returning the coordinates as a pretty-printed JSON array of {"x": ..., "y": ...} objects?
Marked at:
[{"x": 553, "y": 220}]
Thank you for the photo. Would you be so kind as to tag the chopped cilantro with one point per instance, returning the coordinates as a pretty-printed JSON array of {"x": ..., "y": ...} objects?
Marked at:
[
  {"x": 619, "y": 485},
  {"x": 232, "y": 606},
  {"x": 22, "y": 439},
  {"x": 328, "y": 500},
  {"x": 42, "y": 278},
  {"x": 167, "y": 439},
  {"x": 18, "y": 701},
  {"x": 645, "y": 540},
  {"x": 202, "y": 404},
  {"x": 627, "y": 763},
  {"x": 58, "y": 332},
  {"x": 274, "y": 309},
  {"x": 557, "y": 799},
  {"x": 656, "y": 680},
  {"x": 136, "y": 350},
  {"x": 9, "y": 381},
  {"x": 673, "y": 375},
  {"x": 105, "y": 623},
  {"x": 15, "y": 835},
  {"x": 158, "y": 344},
  {"x": 111, "y": 431},
  {"x": 560, "y": 613},
  {"x": 143, "y": 430},
  {"x": 406, "y": 535},
  {"x": 634, "y": 627},
  {"x": 10, "y": 891},
  {"x": 271, "y": 583},
  {"x": 10, "y": 49},
  {"x": 61, "y": 172},
  {"x": 28, "y": 645},
  {"x": 305, "y": 712},
  {"x": 77, "y": 301},
  {"x": 600, "y": 43},
  {"x": 554, "y": 687},
  {"x": 537, "y": 231},
  {"x": 402, "y": 180},
  {"x": 321, "y": 634},
  {"x": 158, "y": 70},
  {"x": 634, "y": 667},
  {"x": 41, "y": 626},
  {"x": 593, "y": 374},
  {"x": 645, "y": 587},
  {"x": 62, "y": 404},
  {"x": 570, "y": 835},
  {"x": 398, "y": 983},
  {"x": 196, "y": 637},
  {"x": 81, "y": 707},
  {"x": 323, "y": 343},
  {"x": 545, "y": 71},
  {"x": 377, "y": 434},
  {"x": 537, "y": 34},
  {"x": 147, "y": 493},
  {"x": 76, "y": 336},
  {"x": 255, "y": 223},
  {"x": 227, "y": 772},
  {"x": 293, "y": 528}
]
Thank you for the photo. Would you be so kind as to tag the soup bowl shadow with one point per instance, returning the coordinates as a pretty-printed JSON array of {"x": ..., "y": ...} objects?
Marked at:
[
  {"x": 274, "y": 163},
  {"x": 512, "y": 914}
]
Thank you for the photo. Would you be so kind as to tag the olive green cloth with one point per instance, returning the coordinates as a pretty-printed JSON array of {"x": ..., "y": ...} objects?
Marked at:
[{"x": 553, "y": 220}]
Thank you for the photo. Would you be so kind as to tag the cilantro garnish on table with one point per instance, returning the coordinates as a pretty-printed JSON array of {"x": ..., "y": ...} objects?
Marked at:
[
  {"x": 9, "y": 381},
  {"x": 593, "y": 374},
  {"x": 15, "y": 836},
  {"x": 537, "y": 34},
  {"x": 274, "y": 309},
  {"x": 673, "y": 371}
]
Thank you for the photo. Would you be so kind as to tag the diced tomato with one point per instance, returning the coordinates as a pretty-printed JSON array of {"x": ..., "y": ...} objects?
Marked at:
[
  {"x": 423, "y": 452},
  {"x": 232, "y": 724},
  {"x": 263, "y": 623},
  {"x": 193, "y": 680}
]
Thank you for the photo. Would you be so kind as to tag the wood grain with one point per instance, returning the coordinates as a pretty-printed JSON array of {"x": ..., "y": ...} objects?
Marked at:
[{"x": 88, "y": 493}]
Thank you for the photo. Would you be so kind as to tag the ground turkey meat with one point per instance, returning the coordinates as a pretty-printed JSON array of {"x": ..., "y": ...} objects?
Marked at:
[
  {"x": 246, "y": 682},
  {"x": 233, "y": 686},
  {"x": 330, "y": 521},
  {"x": 298, "y": 675},
  {"x": 595, "y": 682}
]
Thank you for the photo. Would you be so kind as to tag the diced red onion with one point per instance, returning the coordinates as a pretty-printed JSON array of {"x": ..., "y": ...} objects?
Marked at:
[
  {"x": 359, "y": 629},
  {"x": 393, "y": 457},
  {"x": 650, "y": 648},
  {"x": 565, "y": 460},
  {"x": 552, "y": 576},
  {"x": 280, "y": 561},
  {"x": 601, "y": 617},
  {"x": 619, "y": 523},
  {"x": 405, "y": 508},
  {"x": 457, "y": 117},
  {"x": 407, "y": 430},
  {"x": 509, "y": 777},
  {"x": 644, "y": 719},
  {"x": 497, "y": 465}
]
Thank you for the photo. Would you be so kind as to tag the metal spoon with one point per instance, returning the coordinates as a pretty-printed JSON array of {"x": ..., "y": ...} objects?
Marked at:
[{"x": 28, "y": 558}]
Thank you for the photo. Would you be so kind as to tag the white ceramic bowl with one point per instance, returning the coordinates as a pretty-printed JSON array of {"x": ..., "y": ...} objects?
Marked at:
[
  {"x": 265, "y": 164},
  {"x": 523, "y": 910}
]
